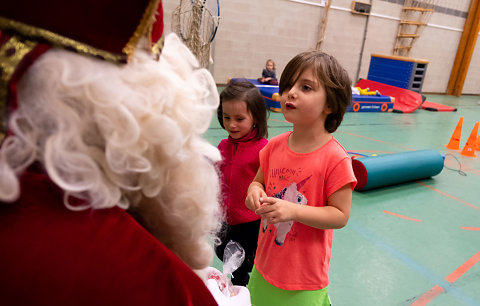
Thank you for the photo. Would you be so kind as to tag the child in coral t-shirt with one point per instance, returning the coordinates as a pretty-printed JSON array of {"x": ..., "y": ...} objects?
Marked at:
[{"x": 303, "y": 188}]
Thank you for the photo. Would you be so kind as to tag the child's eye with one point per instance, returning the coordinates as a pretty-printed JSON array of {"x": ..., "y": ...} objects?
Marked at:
[
  {"x": 306, "y": 87},
  {"x": 226, "y": 117}
]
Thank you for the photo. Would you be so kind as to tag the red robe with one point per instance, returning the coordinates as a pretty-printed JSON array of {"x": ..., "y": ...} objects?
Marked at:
[{"x": 50, "y": 255}]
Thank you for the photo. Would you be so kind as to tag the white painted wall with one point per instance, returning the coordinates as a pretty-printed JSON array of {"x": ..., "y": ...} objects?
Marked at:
[{"x": 251, "y": 31}]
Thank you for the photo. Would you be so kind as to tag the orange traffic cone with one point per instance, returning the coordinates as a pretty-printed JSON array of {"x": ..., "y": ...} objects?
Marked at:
[
  {"x": 478, "y": 144},
  {"x": 454, "y": 143},
  {"x": 469, "y": 148}
]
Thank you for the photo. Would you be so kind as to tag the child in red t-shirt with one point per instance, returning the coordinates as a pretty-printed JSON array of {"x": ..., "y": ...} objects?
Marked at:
[
  {"x": 243, "y": 115},
  {"x": 303, "y": 188}
]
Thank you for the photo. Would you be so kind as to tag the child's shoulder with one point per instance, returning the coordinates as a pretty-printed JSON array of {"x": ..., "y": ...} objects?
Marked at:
[
  {"x": 278, "y": 139},
  {"x": 338, "y": 145},
  {"x": 222, "y": 143},
  {"x": 257, "y": 143},
  {"x": 336, "y": 150}
]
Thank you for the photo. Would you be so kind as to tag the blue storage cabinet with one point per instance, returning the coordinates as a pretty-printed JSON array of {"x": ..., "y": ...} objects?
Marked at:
[{"x": 399, "y": 71}]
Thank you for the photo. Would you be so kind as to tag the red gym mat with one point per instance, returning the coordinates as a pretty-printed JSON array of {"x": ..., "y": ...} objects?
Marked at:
[
  {"x": 435, "y": 107},
  {"x": 406, "y": 101}
]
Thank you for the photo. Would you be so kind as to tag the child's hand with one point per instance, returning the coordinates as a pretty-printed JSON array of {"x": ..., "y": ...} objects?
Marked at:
[
  {"x": 276, "y": 210},
  {"x": 240, "y": 297},
  {"x": 253, "y": 197}
]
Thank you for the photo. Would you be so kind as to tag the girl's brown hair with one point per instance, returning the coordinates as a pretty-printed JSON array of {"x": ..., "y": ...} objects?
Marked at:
[
  {"x": 328, "y": 72},
  {"x": 246, "y": 91}
]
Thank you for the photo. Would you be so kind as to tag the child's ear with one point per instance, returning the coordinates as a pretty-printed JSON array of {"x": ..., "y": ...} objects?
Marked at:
[{"x": 328, "y": 110}]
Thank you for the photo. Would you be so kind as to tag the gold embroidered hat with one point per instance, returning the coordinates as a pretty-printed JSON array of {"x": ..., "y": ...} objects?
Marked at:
[{"x": 106, "y": 29}]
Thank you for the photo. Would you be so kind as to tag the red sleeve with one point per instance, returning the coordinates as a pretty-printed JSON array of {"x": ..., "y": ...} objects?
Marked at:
[{"x": 53, "y": 256}]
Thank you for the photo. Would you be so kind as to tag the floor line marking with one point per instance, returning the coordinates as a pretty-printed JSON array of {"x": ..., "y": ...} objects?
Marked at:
[
  {"x": 377, "y": 140},
  {"x": 463, "y": 268},
  {"x": 401, "y": 216},
  {"x": 374, "y": 151},
  {"x": 471, "y": 228},
  {"x": 428, "y": 296},
  {"x": 453, "y": 164},
  {"x": 428, "y": 274},
  {"x": 278, "y": 120},
  {"x": 448, "y": 195}
]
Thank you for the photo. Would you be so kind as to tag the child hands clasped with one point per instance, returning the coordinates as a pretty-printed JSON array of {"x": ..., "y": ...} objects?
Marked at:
[{"x": 303, "y": 188}]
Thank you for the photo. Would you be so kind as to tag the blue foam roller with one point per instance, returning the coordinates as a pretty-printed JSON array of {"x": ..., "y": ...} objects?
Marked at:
[{"x": 389, "y": 169}]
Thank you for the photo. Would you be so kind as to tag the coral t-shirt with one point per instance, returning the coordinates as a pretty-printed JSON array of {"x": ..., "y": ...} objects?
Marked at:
[{"x": 291, "y": 255}]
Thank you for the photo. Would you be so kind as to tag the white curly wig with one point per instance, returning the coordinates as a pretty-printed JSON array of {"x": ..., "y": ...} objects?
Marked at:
[{"x": 123, "y": 135}]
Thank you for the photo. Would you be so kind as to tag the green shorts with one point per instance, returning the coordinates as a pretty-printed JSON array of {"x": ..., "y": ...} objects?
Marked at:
[{"x": 264, "y": 294}]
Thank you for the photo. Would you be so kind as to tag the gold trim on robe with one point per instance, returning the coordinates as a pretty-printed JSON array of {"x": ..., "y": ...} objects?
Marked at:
[
  {"x": 58, "y": 40},
  {"x": 11, "y": 54}
]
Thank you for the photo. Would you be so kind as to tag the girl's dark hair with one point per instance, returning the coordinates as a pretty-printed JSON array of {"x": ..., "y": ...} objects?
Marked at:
[
  {"x": 245, "y": 91},
  {"x": 328, "y": 72}
]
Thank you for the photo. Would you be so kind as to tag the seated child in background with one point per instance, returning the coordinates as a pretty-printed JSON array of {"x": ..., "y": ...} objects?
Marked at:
[{"x": 269, "y": 74}]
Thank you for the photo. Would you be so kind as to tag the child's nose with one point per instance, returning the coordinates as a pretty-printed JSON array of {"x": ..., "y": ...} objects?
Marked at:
[{"x": 292, "y": 93}]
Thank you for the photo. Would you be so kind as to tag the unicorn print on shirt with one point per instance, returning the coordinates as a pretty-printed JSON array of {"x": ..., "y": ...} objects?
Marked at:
[{"x": 290, "y": 194}]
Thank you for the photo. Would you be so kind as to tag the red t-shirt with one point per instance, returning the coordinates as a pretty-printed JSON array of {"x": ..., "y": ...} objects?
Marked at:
[
  {"x": 291, "y": 255},
  {"x": 54, "y": 256}
]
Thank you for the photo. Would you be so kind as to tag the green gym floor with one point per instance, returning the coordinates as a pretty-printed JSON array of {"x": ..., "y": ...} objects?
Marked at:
[{"x": 414, "y": 243}]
